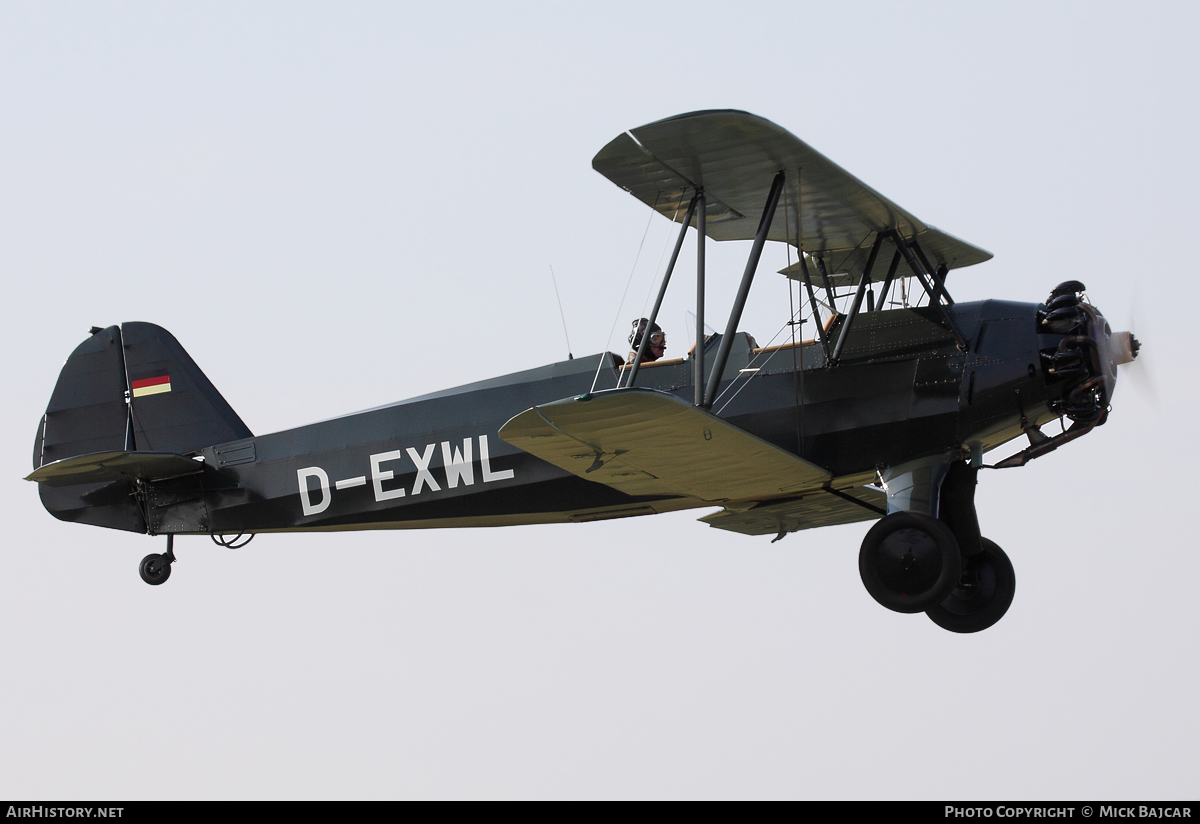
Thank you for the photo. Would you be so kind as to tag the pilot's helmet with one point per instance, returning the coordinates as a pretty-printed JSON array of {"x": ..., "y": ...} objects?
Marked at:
[{"x": 639, "y": 329}]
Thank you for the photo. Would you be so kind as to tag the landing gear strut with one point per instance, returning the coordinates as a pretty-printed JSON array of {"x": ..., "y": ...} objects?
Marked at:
[{"x": 156, "y": 569}]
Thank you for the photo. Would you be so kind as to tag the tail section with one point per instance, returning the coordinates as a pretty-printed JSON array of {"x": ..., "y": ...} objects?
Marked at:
[
  {"x": 126, "y": 389},
  {"x": 174, "y": 407}
]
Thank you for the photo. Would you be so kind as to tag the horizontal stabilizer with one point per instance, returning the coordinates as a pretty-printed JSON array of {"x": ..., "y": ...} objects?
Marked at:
[
  {"x": 643, "y": 442},
  {"x": 105, "y": 467},
  {"x": 820, "y": 508}
]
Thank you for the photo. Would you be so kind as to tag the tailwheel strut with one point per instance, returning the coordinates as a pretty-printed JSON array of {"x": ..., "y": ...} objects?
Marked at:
[{"x": 156, "y": 569}]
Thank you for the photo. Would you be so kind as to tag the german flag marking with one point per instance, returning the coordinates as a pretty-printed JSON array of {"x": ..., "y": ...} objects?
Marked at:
[{"x": 151, "y": 386}]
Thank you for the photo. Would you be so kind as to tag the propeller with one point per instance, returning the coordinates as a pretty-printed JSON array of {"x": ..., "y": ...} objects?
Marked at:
[{"x": 1136, "y": 367}]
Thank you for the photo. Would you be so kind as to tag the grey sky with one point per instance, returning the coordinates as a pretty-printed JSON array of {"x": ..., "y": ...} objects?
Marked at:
[{"x": 333, "y": 206}]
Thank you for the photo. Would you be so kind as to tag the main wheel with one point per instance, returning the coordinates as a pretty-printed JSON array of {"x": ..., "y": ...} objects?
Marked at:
[
  {"x": 155, "y": 569},
  {"x": 909, "y": 562},
  {"x": 983, "y": 594}
]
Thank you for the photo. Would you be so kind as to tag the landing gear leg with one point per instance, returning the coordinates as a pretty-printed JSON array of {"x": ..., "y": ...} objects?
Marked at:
[
  {"x": 156, "y": 569},
  {"x": 988, "y": 583}
]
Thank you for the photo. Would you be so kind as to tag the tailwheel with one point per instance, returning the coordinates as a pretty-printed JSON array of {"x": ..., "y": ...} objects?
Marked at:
[
  {"x": 982, "y": 595},
  {"x": 909, "y": 562},
  {"x": 155, "y": 569}
]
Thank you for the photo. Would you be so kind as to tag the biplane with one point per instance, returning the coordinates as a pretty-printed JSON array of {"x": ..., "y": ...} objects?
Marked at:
[{"x": 884, "y": 413}]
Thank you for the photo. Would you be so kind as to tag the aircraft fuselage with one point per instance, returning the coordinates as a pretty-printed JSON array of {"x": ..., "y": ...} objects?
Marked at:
[{"x": 902, "y": 390}]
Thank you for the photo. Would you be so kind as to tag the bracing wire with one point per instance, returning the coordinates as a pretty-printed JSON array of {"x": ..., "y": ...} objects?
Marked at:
[
  {"x": 661, "y": 254},
  {"x": 657, "y": 269},
  {"x": 617, "y": 317},
  {"x": 795, "y": 318},
  {"x": 754, "y": 367}
]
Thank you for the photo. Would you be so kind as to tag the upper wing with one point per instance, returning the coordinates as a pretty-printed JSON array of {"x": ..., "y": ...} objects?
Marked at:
[
  {"x": 644, "y": 442},
  {"x": 733, "y": 156},
  {"x": 845, "y": 266}
]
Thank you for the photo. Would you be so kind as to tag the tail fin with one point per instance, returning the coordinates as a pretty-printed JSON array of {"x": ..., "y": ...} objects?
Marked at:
[
  {"x": 130, "y": 388},
  {"x": 133, "y": 388},
  {"x": 87, "y": 412},
  {"x": 173, "y": 406}
]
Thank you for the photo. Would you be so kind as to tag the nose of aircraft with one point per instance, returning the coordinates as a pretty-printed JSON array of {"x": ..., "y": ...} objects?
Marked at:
[
  {"x": 1084, "y": 362},
  {"x": 1124, "y": 347},
  {"x": 1114, "y": 348}
]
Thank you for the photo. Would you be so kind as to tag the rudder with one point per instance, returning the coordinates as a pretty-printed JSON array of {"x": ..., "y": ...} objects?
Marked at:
[{"x": 174, "y": 407}]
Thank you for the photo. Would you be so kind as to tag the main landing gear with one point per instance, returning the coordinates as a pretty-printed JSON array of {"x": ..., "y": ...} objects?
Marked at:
[
  {"x": 911, "y": 562},
  {"x": 156, "y": 569},
  {"x": 927, "y": 555}
]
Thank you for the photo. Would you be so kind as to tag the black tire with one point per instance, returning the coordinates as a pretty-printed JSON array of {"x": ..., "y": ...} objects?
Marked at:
[
  {"x": 982, "y": 597},
  {"x": 155, "y": 569},
  {"x": 909, "y": 562}
]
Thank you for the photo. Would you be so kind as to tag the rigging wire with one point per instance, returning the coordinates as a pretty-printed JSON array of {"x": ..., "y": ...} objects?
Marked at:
[
  {"x": 654, "y": 279},
  {"x": 662, "y": 253},
  {"x": 753, "y": 370},
  {"x": 604, "y": 354},
  {"x": 851, "y": 287}
]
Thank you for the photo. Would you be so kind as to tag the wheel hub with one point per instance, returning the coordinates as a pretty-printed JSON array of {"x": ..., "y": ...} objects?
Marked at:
[{"x": 908, "y": 561}]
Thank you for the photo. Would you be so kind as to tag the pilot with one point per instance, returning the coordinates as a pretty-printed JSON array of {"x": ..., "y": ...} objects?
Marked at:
[{"x": 654, "y": 349}]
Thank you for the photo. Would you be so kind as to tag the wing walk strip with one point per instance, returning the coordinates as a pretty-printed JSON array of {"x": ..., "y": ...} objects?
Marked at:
[{"x": 643, "y": 442}]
